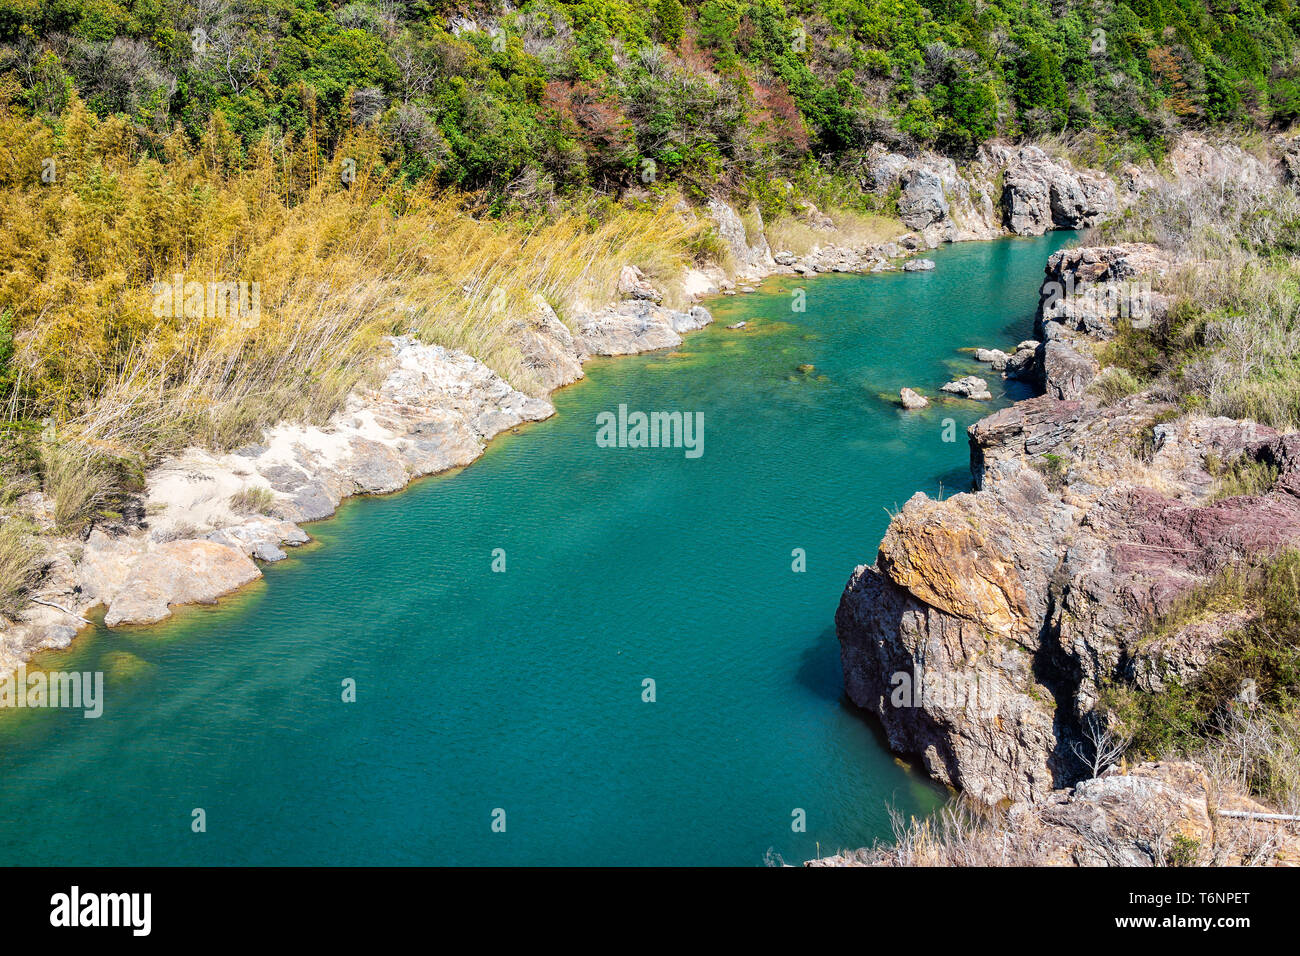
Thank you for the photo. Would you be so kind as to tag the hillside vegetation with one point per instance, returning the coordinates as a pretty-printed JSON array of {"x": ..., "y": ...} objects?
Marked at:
[
  {"x": 1230, "y": 343},
  {"x": 1228, "y": 346},
  {"x": 557, "y": 94},
  {"x": 374, "y": 166}
]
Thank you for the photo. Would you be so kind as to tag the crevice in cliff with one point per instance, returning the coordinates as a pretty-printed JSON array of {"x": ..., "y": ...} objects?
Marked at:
[{"x": 1062, "y": 674}]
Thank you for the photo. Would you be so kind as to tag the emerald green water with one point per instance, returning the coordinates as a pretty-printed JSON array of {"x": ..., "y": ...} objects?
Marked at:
[{"x": 522, "y": 690}]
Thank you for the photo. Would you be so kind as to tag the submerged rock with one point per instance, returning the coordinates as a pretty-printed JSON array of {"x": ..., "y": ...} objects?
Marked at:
[{"x": 918, "y": 265}]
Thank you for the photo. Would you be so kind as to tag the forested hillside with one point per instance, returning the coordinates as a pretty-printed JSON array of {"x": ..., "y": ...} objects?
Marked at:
[{"x": 557, "y": 94}]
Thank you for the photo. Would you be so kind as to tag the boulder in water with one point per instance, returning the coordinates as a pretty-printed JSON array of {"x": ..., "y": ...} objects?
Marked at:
[
  {"x": 912, "y": 399},
  {"x": 969, "y": 387}
]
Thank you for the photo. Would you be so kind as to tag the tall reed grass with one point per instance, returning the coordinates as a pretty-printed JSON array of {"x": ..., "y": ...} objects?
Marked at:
[
  {"x": 848, "y": 228},
  {"x": 342, "y": 253}
]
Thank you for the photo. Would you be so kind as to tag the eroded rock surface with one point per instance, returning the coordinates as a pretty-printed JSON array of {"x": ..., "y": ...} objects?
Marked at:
[
  {"x": 1033, "y": 590},
  {"x": 990, "y": 622},
  {"x": 1017, "y": 189}
]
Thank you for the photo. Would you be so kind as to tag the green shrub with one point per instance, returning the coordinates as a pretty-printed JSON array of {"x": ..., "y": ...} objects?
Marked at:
[
  {"x": 1054, "y": 470},
  {"x": 1113, "y": 384},
  {"x": 1242, "y": 476},
  {"x": 1255, "y": 668},
  {"x": 1183, "y": 851}
]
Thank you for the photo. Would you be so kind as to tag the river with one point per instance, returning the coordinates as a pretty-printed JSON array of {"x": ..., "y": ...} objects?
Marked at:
[{"x": 518, "y": 696}]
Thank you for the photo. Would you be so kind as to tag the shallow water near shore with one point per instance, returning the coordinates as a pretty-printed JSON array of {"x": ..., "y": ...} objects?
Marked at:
[{"x": 522, "y": 690}]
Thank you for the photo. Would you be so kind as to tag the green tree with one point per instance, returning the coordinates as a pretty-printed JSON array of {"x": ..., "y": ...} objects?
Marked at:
[
  {"x": 670, "y": 21},
  {"x": 974, "y": 106},
  {"x": 1221, "y": 97},
  {"x": 1040, "y": 84},
  {"x": 1284, "y": 101}
]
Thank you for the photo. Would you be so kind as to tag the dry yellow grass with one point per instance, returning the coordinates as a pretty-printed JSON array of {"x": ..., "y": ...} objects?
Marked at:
[
  {"x": 337, "y": 265},
  {"x": 19, "y": 561},
  {"x": 851, "y": 229},
  {"x": 75, "y": 482}
]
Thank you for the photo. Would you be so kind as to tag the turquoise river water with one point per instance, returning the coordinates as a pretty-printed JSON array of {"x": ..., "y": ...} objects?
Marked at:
[{"x": 522, "y": 691}]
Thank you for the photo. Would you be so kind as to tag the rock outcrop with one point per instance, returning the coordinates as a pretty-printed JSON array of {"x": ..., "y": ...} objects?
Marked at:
[
  {"x": 991, "y": 621},
  {"x": 935, "y": 198},
  {"x": 752, "y": 256},
  {"x": 1016, "y": 189},
  {"x": 549, "y": 349},
  {"x": 1040, "y": 194},
  {"x": 1030, "y": 594},
  {"x": 636, "y": 326}
]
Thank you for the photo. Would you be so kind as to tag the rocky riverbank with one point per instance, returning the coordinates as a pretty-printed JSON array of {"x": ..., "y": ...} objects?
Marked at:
[
  {"x": 207, "y": 521},
  {"x": 1018, "y": 604},
  {"x": 1153, "y": 814}
]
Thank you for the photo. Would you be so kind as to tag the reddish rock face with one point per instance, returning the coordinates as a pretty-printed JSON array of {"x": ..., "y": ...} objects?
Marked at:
[{"x": 1161, "y": 537}]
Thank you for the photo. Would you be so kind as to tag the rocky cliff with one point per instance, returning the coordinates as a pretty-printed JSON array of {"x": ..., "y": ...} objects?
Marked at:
[
  {"x": 992, "y": 621},
  {"x": 1006, "y": 189}
]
